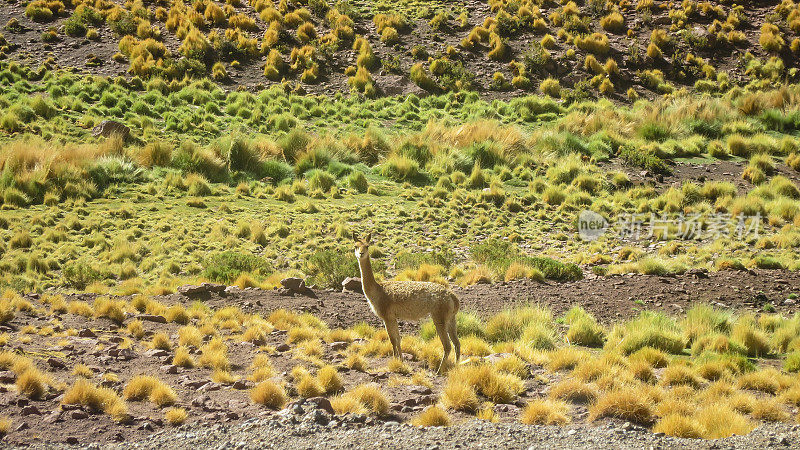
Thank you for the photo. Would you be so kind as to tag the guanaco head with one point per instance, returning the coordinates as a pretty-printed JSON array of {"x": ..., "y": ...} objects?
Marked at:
[{"x": 362, "y": 246}]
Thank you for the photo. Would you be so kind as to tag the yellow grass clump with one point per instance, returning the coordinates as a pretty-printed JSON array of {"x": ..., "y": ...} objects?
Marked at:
[
  {"x": 545, "y": 412},
  {"x": 268, "y": 394},
  {"x": 145, "y": 386},
  {"x": 176, "y": 416},
  {"x": 432, "y": 416},
  {"x": 98, "y": 399}
]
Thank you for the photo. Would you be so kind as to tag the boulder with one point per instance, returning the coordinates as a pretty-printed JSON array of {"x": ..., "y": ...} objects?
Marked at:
[
  {"x": 293, "y": 283},
  {"x": 202, "y": 290},
  {"x": 108, "y": 128},
  {"x": 152, "y": 318},
  {"x": 352, "y": 284},
  {"x": 321, "y": 403}
]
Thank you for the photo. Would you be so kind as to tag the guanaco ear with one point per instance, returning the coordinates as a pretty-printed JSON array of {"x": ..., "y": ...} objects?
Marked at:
[
  {"x": 355, "y": 236},
  {"x": 369, "y": 237}
]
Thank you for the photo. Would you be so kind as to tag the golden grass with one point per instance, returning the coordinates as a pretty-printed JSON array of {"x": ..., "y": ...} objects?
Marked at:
[
  {"x": 32, "y": 383},
  {"x": 575, "y": 391},
  {"x": 136, "y": 329},
  {"x": 190, "y": 336},
  {"x": 145, "y": 386},
  {"x": 679, "y": 426},
  {"x": 356, "y": 362},
  {"x": 176, "y": 416},
  {"x": 5, "y": 425},
  {"x": 183, "y": 358},
  {"x": 566, "y": 358},
  {"x": 161, "y": 341},
  {"x": 84, "y": 393},
  {"x": 720, "y": 421},
  {"x": 765, "y": 380},
  {"x": 343, "y": 404},
  {"x": 432, "y": 416},
  {"x": 459, "y": 395},
  {"x": 7, "y": 311},
  {"x": 223, "y": 377},
  {"x": 307, "y": 386},
  {"x": 269, "y": 394},
  {"x": 769, "y": 410},
  {"x": 680, "y": 374},
  {"x": 496, "y": 386},
  {"x": 329, "y": 379},
  {"x": 82, "y": 370},
  {"x": 624, "y": 403},
  {"x": 545, "y": 412},
  {"x": 371, "y": 397}
]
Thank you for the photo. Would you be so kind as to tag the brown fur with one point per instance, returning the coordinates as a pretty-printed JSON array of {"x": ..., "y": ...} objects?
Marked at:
[{"x": 409, "y": 300}]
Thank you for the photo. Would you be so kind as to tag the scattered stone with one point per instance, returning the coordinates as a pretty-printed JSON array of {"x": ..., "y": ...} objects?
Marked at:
[
  {"x": 78, "y": 414},
  {"x": 108, "y": 128},
  {"x": 293, "y": 283},
  {"x": 152, "y": 318},
  {"x": 170, "y": 369},
  {"x": 242, "y": 384},
  {"x": 283, "y": 347},
  {"x": 86, "y": 333},
  {"x": 22, "y": 427},
  {"x": 7, "y": 377},
  {"x": 31, "y": 410},
  {"x": 352, "y": 284},
  {"x": 202, "y": 290},
  {"x": 56, "y": 363},
  {"x": 156, "y": 353},
  {"x": 321, "y": 403},
  {"x": 72, "y": 440},
  {"x": 338, "y": 345}
]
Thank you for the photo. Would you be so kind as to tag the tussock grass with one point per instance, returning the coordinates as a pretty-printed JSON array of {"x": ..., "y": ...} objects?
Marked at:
[
  {"x": 545, "y": 412},
  {"x": 432, "y": 416},
  {"x": 626, "y": 404},
  {"x": 143, "y": 387},
  {"x": 98, "y": 399},
  {"x": 269, "y": 394},
  {"x": 176, "y": 416}
]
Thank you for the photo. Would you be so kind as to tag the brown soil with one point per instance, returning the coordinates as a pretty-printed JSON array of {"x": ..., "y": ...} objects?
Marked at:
[{"x": 610, "y": 299}]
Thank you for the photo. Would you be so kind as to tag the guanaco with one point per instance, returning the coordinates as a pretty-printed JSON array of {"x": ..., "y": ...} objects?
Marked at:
[{"x": 409, "y": 300}]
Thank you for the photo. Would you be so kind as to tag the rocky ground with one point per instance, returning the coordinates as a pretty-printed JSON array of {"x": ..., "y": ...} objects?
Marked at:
[
  {"x": 301, "y": 428},
  {"x": 222, "y": 416}
]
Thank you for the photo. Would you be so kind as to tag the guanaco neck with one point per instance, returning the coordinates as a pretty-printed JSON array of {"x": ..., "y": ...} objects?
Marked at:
[{"x": 371, "y": 287}]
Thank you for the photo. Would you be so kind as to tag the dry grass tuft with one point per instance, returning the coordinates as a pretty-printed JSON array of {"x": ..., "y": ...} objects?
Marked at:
[
  {"x": 545, "y": 412},
  {"x": 625, "y": 403},
  {"x": 97, "y": 399},
  {"x": 371, "y": 397},
  {"x": 5, "y": 425},
  {"x": 343, "y": 404},
  {"x": 145, "y": 386},
  {"x": 575, "y": 391},
  {"x": 329, "y": 379},
  {"x": 720, "y": 421},
  {"x": 679, "y": 426},
  {"x": 176, "y": 416},
  {"x": 459, "y": 395},
  {"x": 432, "y": 416},
  {"x": 268, "y": 394}
]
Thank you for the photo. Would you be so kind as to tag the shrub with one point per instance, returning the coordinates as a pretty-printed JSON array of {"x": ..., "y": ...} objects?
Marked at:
[
  {"x": 225, "y": 267},
  {"x": 421, "y": 78},
  {"x": 551, "y": 87},
  {"x": 330, "y": 267},
  {"x": 358, "y": 181},
  {"x": 613, "y": 22},
  {"x": 401, "y": 168},
  {"x": 596, "y": 43}
]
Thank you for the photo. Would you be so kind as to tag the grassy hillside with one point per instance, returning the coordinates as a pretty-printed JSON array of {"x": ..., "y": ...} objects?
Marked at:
[
  {"x": 571, "y": 50},
  {"x": 287, "y": 178}
]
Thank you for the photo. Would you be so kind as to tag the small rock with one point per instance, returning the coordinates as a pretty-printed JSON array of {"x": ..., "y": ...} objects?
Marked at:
[
  {"x": 7, "y": 377},
  {"x": 283, "y": 347},
  {"x": 242, "y": 384},
  {"x": 86, "y": 333},
  {"x": 56, "y": 363},
  {"x": 352, "y": 284},
  {"x": 147, "y": 426},
  {"x": 572, "y": 432},
  {"x": 72, "y": 440},
  {"x": 31, "y": 410},
  {"x": 338, "y": 345},
  {"x": 22, "y": 427},
  {"x": 170, "y": 369},
  {"x": 789, "y": 301},
  {"x": 156, "y": 353},
  {"x": 78, "y": 414},
  {"x": 297, "y": 409},
  {"x": 321, "y": 403},
  {"x": 293, "y": 283},
  {"x": 152, "y": 318}
]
